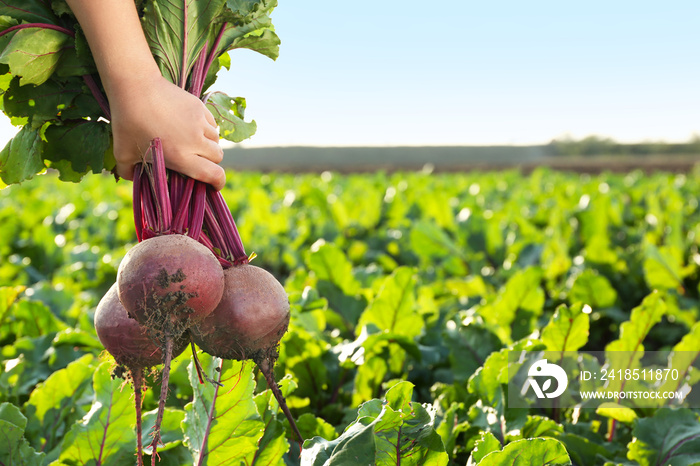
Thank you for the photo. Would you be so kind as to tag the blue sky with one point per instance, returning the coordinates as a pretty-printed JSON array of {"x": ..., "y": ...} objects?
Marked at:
[{"x": 465, "y": 72}]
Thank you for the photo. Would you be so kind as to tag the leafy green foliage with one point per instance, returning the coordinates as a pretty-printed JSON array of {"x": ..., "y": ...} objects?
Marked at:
[
  {"x": 14, "y": 448},
  {"x": 567, "y": 330},
  {"x": 228, "y": 113},
  {"x": 33, "y": 54},
  {"x": 679, "y": 444},
  {"x": 390, "y": 431},
  {"x": 222, "y": 423},
  {"x": 528, "y": 451},
  {"x": 105, "y": 433},
  {"x": 393, "y": 329}
]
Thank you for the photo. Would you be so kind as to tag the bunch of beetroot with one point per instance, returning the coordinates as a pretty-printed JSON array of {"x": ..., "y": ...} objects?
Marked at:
[{"x": 188, "y": 281}]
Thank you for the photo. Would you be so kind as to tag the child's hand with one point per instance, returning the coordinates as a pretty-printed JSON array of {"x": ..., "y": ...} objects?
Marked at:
[{"x": 157, "y": 108}]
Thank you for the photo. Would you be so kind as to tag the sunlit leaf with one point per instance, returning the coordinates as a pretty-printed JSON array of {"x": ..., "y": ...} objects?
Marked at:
[
  {"x": 679, "y": 445},
  {"x": 21, "y": 158},
  {"x": 229, "y": 113},
  {"x": 222, "y": 424},
  {"x": 528, "y": 452},
  {"x": 394, "y": 308},
  {"x": 53, "y": 405},
  {"x": 567, "y": 330},
  {"x": 390, "y": 431},
  {"x": 33, "y": 54},
  {"x": 14, "y": 448},
  {"x": 626, "y": 351},
  {"x": 592, "y": 289},
  {"x": 486, "y": 444},
  {"x": 105, "y": 435}
]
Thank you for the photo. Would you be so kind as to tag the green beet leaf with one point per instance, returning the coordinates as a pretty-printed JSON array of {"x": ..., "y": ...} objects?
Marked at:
[
  {"x": 105, "y": 435},
  {"x": 469, "y": 347},
  {"x": 393, "y": 309},
  {"x": 77, "y": 60},
  {"x": 311, "y": 426},
  {"x": 177, "y": 31},
  {"x": 42, "y": 103},
  {"x": 430, "y": 242},
  {"x": 670, "y": 437},
  {"x": 663, "y": 267},
  {"x": 390, "y": 431},
  {"x": 522, "y": 292},
  {"x": 262, "y": 40},
  {"x": 53, "y": 405},
  {"x": 246, "y": 10},
  {"x": 229, "y": 113},
  {"x": 625, "y": 352},
  {"x": 222, "y": 424},
  {"x": 30, "y": 319},
  {"x": 170, "y": 431},
  {"x": 83, "y": 143},
  {"x": 34, "y": 53},
  {"x": 8, "y": 296},
  {"x": 567, "y": 330},
  {"x": 539, "y": 426},
  {"x": 616, "y": 411},
  {"x": 486, "y": 444},
  {"x": 252, "y": 30},
  {"x": 29, "y": 11},
  {"x": 329, "y": 263},
  {"x": 14, "y": 448},
  {"x": 273, "y": 444},
  {"x": 21, "y": 158},
  {"x": 486, "y": 381},
  {"x": 593, "y": 289},
  {"x": 529, "y": 452},
  {"x": 684, "y": 358}
]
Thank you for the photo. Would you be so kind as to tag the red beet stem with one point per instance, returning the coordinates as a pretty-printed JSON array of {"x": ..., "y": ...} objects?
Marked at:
[
  {"x": 232, "y": 238},
  {"x": 138, "y": 210},
  {"x": 183, "y": 205},
  {"x": 212, "y": 53},
  {"x": 167, "y": 359},
  {"x": 148, "y": 205},
  {"x": 216, "y": 234},
  {"x": 198, "y": 73},
  {"x": 160, "y": 185},
  {"x": 198, "y": 206},
  {"x": 137, "y": 377}
]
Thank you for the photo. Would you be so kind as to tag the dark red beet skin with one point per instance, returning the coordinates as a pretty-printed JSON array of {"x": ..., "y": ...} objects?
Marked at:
[
  {"x": 124, "y": 338},
  {"x": 251, "y": 318},
  {"x": 170, "y": 279}
]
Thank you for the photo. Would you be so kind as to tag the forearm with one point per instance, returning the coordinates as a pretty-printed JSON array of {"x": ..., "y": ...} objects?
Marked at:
[{"x": 117, "y": 42}]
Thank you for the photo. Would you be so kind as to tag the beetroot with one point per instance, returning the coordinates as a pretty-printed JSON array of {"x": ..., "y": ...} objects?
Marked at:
[
  {"x": 129, "y": 344},
  {"x": 249, "y": 321},
  {"x": 124, "y": 338},
  {"x": 169, "y": 282}
]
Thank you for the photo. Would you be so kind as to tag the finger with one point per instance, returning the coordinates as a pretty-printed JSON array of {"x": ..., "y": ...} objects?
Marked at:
[
  {"x": 209, "y": 117},
  {"x": 211, "y": 133},
  {"x": 124, "y": 167},
  {"x": 125, "y": 170},
  {"x": 202, "y": 170},
  {"x": 211, "y": 150}
]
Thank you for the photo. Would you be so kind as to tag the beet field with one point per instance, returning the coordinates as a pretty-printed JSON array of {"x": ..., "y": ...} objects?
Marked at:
[{"x": 418, "y": 302}]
